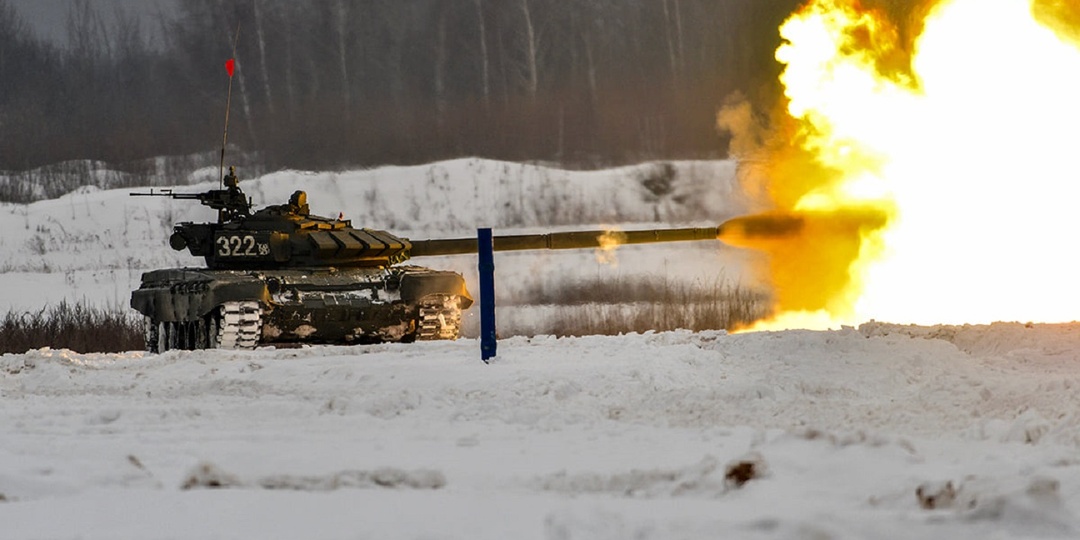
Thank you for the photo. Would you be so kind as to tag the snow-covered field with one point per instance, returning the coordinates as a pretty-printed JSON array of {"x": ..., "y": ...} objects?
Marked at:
[
  {"x": 882, "y": 431},
  {"x": 595, "y": 437}
]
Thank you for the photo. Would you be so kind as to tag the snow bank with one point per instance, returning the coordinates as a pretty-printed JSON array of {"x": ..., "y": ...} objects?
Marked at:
[{"x": 834, "y": 434}]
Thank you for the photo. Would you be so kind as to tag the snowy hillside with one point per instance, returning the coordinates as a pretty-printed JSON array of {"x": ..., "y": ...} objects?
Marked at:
[
  {"x": 94, "y": 245},
  {"x": 642, "y": 436}
]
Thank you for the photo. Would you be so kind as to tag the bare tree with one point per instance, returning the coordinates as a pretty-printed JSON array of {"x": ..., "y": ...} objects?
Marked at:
[
  {"x": 440, "y": 65},
  {"x": 14, "y": 34},
  {"x": 532, "y": 69},
  {"x": 88, "y": 39},
  {"x": 260, "y": 34},
  {"x": 485, "y": 77},
  {"x": 673, "y": 16},
  {"x": 343, "y": 54},
  {"x": 679, "y": 33}
]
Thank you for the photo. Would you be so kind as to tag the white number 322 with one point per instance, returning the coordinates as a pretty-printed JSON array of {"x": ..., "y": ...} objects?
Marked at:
[{"x": 240, "y": 246}]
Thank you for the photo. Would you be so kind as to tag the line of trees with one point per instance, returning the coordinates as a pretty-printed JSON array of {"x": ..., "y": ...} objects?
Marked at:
[{"x": 342, "y": 83}]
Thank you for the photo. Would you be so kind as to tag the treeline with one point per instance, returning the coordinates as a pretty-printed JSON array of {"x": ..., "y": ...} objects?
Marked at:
[{"x": 328, "y": 84}]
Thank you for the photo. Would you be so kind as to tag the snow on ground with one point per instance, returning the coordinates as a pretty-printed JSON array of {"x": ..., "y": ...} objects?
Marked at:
[{"x": 639, "y": 436}]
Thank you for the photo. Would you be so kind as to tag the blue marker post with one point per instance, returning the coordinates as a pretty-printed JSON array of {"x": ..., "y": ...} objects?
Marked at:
[{"x": 487, "y": 294}]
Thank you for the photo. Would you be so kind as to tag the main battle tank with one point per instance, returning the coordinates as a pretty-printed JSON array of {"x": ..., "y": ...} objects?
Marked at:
[{"x": 281, "y": 275}]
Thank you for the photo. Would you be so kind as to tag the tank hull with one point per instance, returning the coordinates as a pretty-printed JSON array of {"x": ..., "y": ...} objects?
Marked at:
[{"x": 196, "y": 308}]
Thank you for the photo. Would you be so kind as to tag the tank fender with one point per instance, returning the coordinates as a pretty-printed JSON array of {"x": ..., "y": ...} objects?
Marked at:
[
  {"x": 416, "y": 286},
  {"x": 192, "y": 301}
]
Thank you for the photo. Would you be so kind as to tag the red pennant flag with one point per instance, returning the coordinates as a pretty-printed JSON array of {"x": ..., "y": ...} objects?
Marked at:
[{"x": 230, "y": 64}]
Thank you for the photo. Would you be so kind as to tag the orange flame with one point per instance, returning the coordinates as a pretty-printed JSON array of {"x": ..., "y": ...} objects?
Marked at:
[
  {"x": 963, "y": 140},
  {"x": 609, "y": 242}
]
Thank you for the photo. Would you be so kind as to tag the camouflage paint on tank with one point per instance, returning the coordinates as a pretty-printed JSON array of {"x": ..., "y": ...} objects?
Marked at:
[
  {"x": 353, "y": 305},
  {"x": 282, "y": 275},
  {"x": 315, "y": 279}
]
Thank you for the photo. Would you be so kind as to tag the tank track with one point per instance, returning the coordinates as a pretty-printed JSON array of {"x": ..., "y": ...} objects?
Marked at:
[
  {"x": 440, "y": 319},
  {"x": 239, "y": 325},
  {"x": 234, "y": 325}
]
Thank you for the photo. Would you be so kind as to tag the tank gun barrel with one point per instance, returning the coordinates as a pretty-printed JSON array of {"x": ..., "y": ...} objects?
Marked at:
[
  {"x": 562, "y": 240},
  {"x": 769, "y": 225}
]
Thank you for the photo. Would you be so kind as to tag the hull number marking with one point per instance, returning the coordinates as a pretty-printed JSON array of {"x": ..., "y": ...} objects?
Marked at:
[{"x": 240, "y": 246}]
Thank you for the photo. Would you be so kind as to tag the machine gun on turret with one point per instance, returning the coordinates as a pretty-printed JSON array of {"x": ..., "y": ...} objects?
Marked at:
[{"x": 230, "y": 203}]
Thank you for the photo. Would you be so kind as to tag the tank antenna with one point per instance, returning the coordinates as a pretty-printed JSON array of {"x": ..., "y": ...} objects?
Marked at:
[{"x": 230, "y": 65}]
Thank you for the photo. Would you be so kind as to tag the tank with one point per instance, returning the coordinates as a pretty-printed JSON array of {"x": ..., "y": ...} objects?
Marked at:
[{"x": 281, "y": 275}]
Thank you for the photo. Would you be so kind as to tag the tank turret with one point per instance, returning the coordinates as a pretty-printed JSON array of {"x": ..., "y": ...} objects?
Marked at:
[
  {"x": 282, "y": 275},
  {"x": 288, "y": 236}
]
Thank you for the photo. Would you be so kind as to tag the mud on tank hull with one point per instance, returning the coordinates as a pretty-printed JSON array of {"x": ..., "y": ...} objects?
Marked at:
[{"x": 198, "y": 308}]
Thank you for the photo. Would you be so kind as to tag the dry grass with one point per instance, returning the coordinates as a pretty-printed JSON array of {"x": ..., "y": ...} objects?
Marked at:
[
  {"x": 612, "y": 307},
  {"x": 595, "y": 307},
  {"x": 71, "y": 326}
]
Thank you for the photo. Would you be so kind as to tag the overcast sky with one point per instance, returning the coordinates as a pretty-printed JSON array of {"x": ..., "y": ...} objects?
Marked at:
[{"x": 48, "y": 18}]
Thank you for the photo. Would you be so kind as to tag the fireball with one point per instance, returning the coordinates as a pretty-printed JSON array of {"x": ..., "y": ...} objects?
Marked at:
[{"x": 963, "y": 141}]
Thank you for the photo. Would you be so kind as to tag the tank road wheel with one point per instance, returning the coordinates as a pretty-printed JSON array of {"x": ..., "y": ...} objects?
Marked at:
[
  {"x": 239, "y": 325},
  {"x": 167, "y": 336},
  {"x": 213, "y": 329},
  {"x": 201, "y": 339},
  {"x": 440, "y": 318},
  {"x": 150, "y": 335},
  {"x": 183, "y": 335}
]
